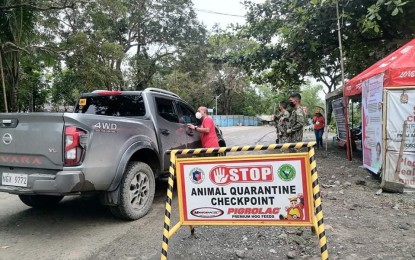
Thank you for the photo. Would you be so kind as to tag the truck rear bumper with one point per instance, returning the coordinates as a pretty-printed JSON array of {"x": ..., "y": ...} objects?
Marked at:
[{"x": 64, "y": 182}]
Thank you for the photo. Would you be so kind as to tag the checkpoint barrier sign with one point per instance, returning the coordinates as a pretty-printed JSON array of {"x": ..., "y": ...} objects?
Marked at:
[
  {"x": 245, "y": 190},
  {"x": 251, "y": 190}
]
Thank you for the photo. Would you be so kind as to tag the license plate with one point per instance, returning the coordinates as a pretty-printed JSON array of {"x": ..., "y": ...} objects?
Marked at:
[{"x": 14, "y": 179}]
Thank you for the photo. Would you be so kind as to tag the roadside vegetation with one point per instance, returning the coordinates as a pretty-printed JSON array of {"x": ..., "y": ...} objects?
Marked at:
[{"x": 53, "y": 50}]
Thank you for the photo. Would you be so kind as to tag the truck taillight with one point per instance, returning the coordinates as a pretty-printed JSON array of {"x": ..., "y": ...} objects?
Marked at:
[
  {"x": 108, "y": 93},
  {"x": 73, "y": 147}
]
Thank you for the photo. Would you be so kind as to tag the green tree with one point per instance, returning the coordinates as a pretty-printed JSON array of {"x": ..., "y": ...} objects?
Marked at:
[
  {"x": 19, "y": 40},
  {"x": 67, "y": 87},
  {"x": 16, "y": 26},
  {"x": 299, "y": 39},
  {"x": 310, "y": 98},
  {"x": 189, "y": 89},
  {"x": 122, "y": 44},
  {"x": 159, "y": 31},
  {"x": 226, "y": 77},
  {"x": 206, "y": 73},
  {"x": 251, "y": 102}
]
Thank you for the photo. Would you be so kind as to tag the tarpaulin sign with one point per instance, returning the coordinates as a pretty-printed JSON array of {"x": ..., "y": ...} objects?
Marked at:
[
  {"x": 372, "y": 123},
  {"x": 400, "y": 167},
  {"x": 244, "y": 190},
  {"x": 252, "y": 190}
]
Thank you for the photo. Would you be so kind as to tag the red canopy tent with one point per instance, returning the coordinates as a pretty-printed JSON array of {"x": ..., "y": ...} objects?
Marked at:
[{"x": 398, "y": 68}]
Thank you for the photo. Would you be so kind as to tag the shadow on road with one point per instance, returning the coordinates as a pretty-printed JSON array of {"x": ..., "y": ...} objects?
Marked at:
[{"x": 77, "y": 210}]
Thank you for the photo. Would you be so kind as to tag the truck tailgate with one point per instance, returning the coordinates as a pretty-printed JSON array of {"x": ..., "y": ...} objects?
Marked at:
[{"x": 32, "y": 140}]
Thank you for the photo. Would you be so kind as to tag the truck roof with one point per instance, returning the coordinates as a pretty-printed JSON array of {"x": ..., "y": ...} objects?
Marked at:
[{"x": 131, "y": 92}]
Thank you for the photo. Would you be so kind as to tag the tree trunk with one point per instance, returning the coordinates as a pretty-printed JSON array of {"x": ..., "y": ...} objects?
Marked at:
[
  {"x": 119, "y": 72},
  {"x": 227, "y": 101},
  {"x": 15, "y": 80},
  {"x": 3, "y": 84}
]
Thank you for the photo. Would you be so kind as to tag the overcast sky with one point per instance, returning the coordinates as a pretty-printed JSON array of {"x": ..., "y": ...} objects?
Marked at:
[{"x": 207, "y": 12}]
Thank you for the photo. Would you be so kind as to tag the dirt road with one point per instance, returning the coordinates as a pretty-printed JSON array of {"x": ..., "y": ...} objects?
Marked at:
[{"x": 361, "y": 222}]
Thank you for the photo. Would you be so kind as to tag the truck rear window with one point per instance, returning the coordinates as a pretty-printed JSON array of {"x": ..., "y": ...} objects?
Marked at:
[{"x": 112, "y": 105}]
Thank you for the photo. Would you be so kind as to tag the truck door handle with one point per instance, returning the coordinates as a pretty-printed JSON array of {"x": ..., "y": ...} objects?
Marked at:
[
  {"x": 8, "y": 123},
  {"x": 189, "y": 132},
  {"x": 164, "y": 131}
]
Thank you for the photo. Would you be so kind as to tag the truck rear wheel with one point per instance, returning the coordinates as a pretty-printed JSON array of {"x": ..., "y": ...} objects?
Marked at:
[
  {"x": 40, "y": 201},
  {"x": 136, "y": 192}
]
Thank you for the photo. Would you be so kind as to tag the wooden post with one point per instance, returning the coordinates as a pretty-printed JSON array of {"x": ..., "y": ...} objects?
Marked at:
[
  {"x": 395, "y": 185},
  {"x": 398, "y": 166}
]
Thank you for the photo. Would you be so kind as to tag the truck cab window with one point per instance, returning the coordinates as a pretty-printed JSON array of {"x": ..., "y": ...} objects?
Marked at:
[
  {"x": 112, "y": 105},
  {"x": 165, "y": 108},
  {"x": 187, "y": 115}
]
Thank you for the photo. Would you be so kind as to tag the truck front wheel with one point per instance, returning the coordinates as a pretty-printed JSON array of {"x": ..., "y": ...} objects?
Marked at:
[
  {"x": 40, "y": 201},
  {"x": 136, "y": 192}
]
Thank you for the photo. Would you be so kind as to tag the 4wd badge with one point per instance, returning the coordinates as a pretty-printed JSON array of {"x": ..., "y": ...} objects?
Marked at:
[{"x": 105, "y": 127}]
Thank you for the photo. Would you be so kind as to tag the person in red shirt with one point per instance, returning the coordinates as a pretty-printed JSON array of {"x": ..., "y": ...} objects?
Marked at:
[
  {"x": 318, "y": 124},
  {"x": 207, "y": 130}
]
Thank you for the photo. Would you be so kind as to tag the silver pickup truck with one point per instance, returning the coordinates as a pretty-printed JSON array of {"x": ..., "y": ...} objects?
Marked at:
[{"x": 113, "y": 143}]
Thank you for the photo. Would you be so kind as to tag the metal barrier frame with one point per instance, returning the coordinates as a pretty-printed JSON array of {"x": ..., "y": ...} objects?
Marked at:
[{"x": 318, "y": 223}]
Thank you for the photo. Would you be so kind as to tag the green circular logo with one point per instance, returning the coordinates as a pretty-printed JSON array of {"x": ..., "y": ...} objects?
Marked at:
[{"x": 286, "y": 172}]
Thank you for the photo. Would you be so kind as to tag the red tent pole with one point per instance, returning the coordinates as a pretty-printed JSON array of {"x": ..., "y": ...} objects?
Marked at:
[{"x": 346, "y": 115}]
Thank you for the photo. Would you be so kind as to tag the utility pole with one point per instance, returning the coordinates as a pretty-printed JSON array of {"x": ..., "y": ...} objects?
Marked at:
[
  {"x": 348, "y": 141},
  {"x": 340, "y": 42}
]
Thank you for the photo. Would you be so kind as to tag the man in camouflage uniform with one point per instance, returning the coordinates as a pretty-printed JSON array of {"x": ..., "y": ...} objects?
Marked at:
[
  {"x": 297, "y": 119},
  {"x": 282, "y": 123}
]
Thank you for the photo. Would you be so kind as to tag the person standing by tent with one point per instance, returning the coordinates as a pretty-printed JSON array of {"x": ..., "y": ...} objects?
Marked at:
[
  {"x": 318, "y": 124},
  {"x": 297, "y": 119},
  {"x": 282, "y": 123}
]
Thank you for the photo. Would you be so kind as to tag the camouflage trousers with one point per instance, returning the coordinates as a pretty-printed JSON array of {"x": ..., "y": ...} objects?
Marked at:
[
  {"x": 283, "y": 140},
  {"x": 296, "y": 137}
]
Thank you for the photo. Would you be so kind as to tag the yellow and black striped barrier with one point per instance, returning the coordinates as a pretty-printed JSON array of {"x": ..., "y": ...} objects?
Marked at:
[
  {"x": 317, "y": 214},
  {"x": 318, "y": 223},
  {"x": 220, "y": 150}
]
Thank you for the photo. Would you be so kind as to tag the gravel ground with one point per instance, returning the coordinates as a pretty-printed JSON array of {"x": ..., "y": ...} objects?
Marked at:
[{"x": 361, "y": 222}]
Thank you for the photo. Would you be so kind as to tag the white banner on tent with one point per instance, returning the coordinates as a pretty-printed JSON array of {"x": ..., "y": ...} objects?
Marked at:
[
  {"x": 406, "y": 174},
  {"x": 339, "y": 116},
  {"x": 372, "y": 123},
  {"x": 400, "y": 107}
]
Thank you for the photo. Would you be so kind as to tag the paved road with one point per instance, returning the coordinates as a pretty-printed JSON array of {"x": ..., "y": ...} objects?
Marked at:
[
  {"x": 80, "y": 228},
  {"x": 264, "y": 135}
]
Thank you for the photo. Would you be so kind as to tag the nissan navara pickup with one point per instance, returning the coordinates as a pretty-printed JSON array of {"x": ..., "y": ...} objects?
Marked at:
[{"x": 114, "y": 143}]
